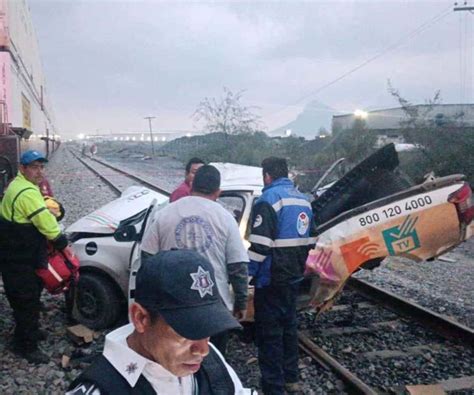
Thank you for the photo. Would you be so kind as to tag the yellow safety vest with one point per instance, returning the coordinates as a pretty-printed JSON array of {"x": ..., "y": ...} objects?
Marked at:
[{"x": 24, "y": 204}]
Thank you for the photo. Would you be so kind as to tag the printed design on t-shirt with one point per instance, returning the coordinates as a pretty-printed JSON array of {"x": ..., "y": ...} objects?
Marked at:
[
  {"x": 194, "y": 233},
  {"x": 202, "y": 282},
  {"x": 302, "y": 223}
]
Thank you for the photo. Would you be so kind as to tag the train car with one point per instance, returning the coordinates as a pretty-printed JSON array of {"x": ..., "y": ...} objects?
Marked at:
[{"x": 26, "y": 116}]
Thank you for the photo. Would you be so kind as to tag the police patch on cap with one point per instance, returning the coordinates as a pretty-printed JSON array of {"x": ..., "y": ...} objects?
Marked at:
[{"x": 202, "y": 282}]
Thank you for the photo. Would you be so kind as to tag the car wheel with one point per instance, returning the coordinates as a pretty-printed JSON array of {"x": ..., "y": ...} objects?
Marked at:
[{"x": 96, "y": 303}]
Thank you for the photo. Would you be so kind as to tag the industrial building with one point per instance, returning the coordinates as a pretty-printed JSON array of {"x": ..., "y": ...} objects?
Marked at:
[{"x": 388, "y": 123}]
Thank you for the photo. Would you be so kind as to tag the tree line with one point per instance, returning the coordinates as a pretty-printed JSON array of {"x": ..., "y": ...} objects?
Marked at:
[{"x": 234, "y": 133}]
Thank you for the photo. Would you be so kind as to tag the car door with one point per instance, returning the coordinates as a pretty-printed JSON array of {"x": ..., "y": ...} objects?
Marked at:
[
  {"x": 239, "y": 204},
  {"x": 135, "y": 255}
]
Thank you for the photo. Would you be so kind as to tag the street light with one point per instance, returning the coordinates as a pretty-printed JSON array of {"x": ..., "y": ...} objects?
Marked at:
[
  {"x": 361, "y": 114},
  {"x": 151, "y": 135}
]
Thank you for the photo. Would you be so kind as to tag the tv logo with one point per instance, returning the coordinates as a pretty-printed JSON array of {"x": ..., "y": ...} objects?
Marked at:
[{"x": 403, "y": 238}]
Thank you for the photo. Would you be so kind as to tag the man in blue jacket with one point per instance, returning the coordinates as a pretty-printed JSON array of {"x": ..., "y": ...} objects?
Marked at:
[{"x": 282, "y": 233}]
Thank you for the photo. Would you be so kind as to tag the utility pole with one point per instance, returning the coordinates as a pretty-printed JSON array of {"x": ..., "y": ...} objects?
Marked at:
[
  {"x": 465, "y": 55},
  {"x": 151, "y": 135}
]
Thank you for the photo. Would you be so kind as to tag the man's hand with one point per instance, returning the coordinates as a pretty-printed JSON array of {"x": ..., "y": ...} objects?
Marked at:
[
  {"x": 68, "y": 251},
  {"x": 60, "y": 242},
  {"x": 239, "y": 314}
]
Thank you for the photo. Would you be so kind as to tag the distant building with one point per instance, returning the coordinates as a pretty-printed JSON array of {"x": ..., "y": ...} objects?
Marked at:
[
  {"x": 387, "y": 122},
  {"x": 158, "y": 136}
]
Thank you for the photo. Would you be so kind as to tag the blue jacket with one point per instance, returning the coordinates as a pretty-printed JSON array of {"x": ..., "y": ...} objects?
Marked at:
[{"x": 282, "y": 233}]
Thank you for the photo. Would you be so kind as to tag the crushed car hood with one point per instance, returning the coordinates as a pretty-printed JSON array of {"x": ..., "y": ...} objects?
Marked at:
[{"x": 106, "y": 219}]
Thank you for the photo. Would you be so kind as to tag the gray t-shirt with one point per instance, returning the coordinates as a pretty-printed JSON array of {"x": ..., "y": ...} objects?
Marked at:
[{"x": 204, "y": 226}]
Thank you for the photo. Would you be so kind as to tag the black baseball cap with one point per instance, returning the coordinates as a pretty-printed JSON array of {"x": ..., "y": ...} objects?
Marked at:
[{"x": 180, "y": 286}]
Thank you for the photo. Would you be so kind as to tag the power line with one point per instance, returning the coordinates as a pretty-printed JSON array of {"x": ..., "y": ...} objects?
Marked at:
[{"x": 416, "y": 31}]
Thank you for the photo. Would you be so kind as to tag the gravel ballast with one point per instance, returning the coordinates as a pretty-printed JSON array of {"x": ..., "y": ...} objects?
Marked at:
[{"x": 384, "y": 350}]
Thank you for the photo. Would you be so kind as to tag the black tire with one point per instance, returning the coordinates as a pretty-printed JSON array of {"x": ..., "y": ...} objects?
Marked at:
[{"x": 96, "y": 303}]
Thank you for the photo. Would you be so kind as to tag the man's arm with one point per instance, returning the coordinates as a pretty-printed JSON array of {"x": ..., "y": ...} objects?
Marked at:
[
  {"x": 238, "y": 278},
  {"x": 31, "y": 205},
  {"x": 237, "y": 271},
  {"x": 262, "y": 234}
]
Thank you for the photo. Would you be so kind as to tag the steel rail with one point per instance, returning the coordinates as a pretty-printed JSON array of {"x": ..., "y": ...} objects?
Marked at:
[
  {"x": 114, "y": 188},
  {"x": 352, "y": 382},
  {"x": 133, "y": 177},
  {"x": 442, "y": 325}
]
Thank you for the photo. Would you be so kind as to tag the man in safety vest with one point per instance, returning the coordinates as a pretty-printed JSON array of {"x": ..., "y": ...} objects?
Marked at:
[{"x": 26, "y": 225}]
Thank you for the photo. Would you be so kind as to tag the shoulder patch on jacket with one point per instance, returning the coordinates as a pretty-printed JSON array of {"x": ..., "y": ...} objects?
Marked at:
[
  {"x": 302, "y": 223},
  {"x": 258, "y": 221}
]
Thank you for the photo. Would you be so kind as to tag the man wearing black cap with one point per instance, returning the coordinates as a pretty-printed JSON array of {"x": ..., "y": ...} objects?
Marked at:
[
  {"x": 199, "y": 223},
  {"x": 25, "y": 225},
  {"x": 166, "y": 349}
]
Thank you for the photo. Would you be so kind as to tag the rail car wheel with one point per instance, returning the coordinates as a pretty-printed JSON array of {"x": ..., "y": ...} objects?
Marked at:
[{"x": 96, "y": 303}]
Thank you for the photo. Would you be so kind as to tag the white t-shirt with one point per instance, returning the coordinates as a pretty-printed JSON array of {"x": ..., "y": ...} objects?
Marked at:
[{"x": 201, "y": 225}]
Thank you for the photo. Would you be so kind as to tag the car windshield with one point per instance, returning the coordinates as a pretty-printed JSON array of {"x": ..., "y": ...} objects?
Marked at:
[{"x": 234, "y": 204}]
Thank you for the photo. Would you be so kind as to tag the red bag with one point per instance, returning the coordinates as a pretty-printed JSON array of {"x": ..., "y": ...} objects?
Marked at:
[{"x": 62, "y": 271}]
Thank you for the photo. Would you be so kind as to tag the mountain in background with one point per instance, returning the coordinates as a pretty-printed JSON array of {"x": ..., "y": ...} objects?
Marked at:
[{"x": 307, "y": 124}]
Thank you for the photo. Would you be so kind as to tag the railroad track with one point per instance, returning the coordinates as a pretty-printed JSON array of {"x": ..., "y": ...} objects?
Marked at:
[
  {"x": 378, "y": 343},
  {"x": 118, "y": 179}
]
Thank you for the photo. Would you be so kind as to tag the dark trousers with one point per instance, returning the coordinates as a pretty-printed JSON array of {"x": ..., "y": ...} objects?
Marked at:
[
  {"x": 23, "y": 289},
  {"x": 276, "y": 336}
]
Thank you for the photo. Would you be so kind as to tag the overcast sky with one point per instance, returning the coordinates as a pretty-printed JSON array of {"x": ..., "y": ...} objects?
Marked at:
[{"x": 108, "y": 64}]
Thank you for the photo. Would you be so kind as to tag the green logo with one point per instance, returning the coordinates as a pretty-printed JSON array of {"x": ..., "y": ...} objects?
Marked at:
[{"x": 403, "y": 238}]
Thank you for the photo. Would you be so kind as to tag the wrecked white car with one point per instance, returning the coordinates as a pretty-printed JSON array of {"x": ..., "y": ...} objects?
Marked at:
[
  {"x": 367, "y": 215},
  {"x": 105, "y": 241}
]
